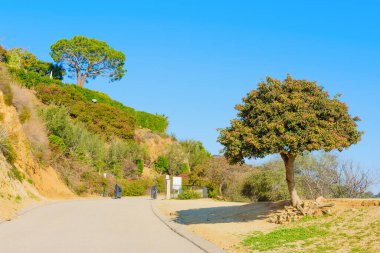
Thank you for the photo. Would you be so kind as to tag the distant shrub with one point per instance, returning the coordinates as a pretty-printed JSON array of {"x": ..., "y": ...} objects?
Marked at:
[
  {"x": 1, "y": 117},
  {"x": 24, "y": 114},
  {"x": 99, "y": 118},
  {"x": 157, "y": 123},
  {"x": 3, "y": 54},
  {"x": 265, "y": 185},
  {"x": 6, "y": 147},
  {"x": 57, "y": 142},
  {"x": 140, "y": 166},
  {"x": 31, "y": 79},
  {"x": 189, "y": 194},
  {"x": 161, "y": 164},
  {"x": 18, "y": 199},
  {"x": 79, "y": 142},
  {"x": 185, "y": 168},
  {"x": 137, "y": 187},
  {"x": 7, "y": 92},
  {"x": 160, "y": 182},
  {"x": 47, "y": 68},
  {"x": 16, "y": 174},
  {"x": 122, "y": 155}
]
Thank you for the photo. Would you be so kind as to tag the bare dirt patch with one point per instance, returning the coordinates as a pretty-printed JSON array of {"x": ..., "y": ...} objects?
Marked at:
[{"x": 222, "y": 223}]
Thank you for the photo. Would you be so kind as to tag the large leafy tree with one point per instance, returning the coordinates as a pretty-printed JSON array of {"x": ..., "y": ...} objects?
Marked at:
[
  {"x": 195, "y": 152},
  {"x": 88, "y": 58},
  {"x": 288, "y": 118}
]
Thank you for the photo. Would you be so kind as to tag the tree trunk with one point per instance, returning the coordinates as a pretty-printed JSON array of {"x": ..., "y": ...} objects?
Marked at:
[
  {"x": 289, "y": 166},
  {"x": 80, "y": 82},
  {"x": 80, "y": 79}
]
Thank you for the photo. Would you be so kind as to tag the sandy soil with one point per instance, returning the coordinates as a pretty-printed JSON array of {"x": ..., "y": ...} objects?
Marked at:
[{"x": 222, "y": 223}]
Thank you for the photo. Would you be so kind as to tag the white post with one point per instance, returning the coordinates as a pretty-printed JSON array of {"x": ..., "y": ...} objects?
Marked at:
[{"x": 167, "y": 187}]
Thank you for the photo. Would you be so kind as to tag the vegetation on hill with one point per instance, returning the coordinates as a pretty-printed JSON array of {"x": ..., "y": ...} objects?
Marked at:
[
  {"x": 90, "y": 134},
  {"x": 50, "y": 89}
]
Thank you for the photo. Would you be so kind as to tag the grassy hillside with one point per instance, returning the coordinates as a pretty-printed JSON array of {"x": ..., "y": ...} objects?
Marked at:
[
  {"x": 81, "y": 139},
  {"x": 77, "y": 99}
]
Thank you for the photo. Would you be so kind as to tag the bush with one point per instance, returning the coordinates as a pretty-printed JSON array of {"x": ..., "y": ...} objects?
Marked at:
[
  {"x": 137, "y": 187},
  {"x": 3, "y": 54},
  {"x": 98, "y": 118},
  {"x": 24, "y": 114},
  {"x": 265, "y": 185},
  {"x": 6, "y": 147},
  {"x": 140, "y": 166},
  {"x": 189, "y": 194},
  {"x": 79, "y": 142},
  {"x": 31, "y": 79},
  {"x": 7, "y": 92},
  {"x": 57, "y": 142},
  {"x": 157, "y": 123},
  {"x": 161, "y": 164},
  {"x": 123, "y": 155},
  {"x": 16, "y": 174}
]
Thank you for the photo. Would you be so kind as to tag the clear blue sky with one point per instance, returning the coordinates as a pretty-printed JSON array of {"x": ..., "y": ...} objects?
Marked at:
[{"x": 193, "y": 60}]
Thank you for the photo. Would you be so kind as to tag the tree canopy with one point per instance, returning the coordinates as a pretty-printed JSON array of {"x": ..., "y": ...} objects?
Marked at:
[
  {"x": 288, "y": 118},
  {"x": 88, "y": 58}
]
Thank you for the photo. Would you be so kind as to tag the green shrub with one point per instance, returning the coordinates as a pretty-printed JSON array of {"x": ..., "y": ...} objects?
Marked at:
[
  {"x": 137, "y": 187},
  {"x": 7, "y": 93},
  {"x": 31, "y": 79},
  {"x": 121, "y": 151},
  {"x": 57, "y": 142},
  {"x": 16, "y": 174},
  {"x": 160, "y": 182},
  {"x": 1, "y": 117},
  {"x": 185, "y": 168},
  {"x": 99, "y": 118},
  {"x": 79, "y": 142},
  {"x": 18, "y": 199},
  {"x": 265, "y": 185},
  {"x": 46, "y": 68},
  {"x": 162, "y": 164},
  {"x": 24, "y": 114},
  {"x": 157, "y": 123},
  {"x": 6, "y": 147},
  {"x": 140, "y": 166},
  {"x": 3, "y": 54},
  {"x": 189, "y": 194}
]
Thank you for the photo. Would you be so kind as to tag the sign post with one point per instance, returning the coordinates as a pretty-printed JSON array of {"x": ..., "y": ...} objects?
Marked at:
[{"x": 167, "y": 187}]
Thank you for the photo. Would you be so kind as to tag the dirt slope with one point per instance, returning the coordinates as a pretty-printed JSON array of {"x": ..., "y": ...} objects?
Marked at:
[{"x": 35, "y": 180}]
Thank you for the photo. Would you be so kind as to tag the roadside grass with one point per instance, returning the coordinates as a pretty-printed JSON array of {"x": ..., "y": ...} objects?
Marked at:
[
  {"x": 354, "y": 231},
  {"x": 282, "y": 236}
]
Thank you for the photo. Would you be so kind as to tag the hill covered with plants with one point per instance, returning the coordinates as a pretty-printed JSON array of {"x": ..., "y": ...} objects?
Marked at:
[{"x": 84, "y": 134}]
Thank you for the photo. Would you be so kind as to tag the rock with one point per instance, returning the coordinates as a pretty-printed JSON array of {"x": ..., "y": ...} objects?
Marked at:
[
  {"x": 320, "y": 199},
  {"x": 326, "y": 211}
]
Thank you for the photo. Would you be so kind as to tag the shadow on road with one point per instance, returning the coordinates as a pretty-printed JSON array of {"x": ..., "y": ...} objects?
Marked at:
[{"x": 227, "y": 214}]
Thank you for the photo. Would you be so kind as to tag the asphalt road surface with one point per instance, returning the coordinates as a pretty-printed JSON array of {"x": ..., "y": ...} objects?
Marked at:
[{"x": 125, "y": 225}]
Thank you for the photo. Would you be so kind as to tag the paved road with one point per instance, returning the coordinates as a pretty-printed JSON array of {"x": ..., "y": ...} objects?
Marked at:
[{"x": 101, "y": 225}]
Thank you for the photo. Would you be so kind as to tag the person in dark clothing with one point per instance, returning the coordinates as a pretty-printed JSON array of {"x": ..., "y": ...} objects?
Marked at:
[
  {"x": 153, "y": 192},
  {"x": 117, "y": 191}
]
